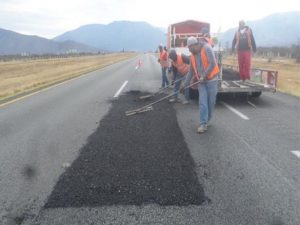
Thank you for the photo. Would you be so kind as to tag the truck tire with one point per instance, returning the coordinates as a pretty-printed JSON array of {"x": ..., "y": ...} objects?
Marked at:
[{"x": 256, "y": 94}]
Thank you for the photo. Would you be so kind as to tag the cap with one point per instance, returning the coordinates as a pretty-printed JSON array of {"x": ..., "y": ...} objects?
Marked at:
[
  {"x": 191, "y": 41},
  {"x": 204, "y": 30},
  {"x": 173, "y": 55}
]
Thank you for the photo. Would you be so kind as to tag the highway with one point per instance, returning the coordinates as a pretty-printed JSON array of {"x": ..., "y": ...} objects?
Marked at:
[{"x": 248, "y": 163}]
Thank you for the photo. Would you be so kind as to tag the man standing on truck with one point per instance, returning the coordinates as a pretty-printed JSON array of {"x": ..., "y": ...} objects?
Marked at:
[
  {"x": 180, "y": 68},
  {"x": 203, "y": 68},
  {"x": 163, "y": 60},
  {"x": 244, "y": 42}
]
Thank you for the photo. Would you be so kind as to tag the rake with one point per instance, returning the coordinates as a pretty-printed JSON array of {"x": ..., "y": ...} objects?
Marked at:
[
  {"x": 160, "y": 91},
  {"x": 149, "y": 107}
]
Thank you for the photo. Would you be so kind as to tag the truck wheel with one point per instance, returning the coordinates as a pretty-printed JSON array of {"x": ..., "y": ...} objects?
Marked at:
[{"x": 256, "y": 94}]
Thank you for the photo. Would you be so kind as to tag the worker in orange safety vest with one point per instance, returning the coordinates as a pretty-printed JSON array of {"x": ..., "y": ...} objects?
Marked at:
[
  {"x": 244, "y": 43},
  {"x": 180, "y": 68},
  {"x": 163, "y": 60},
  {"x": 205, "y": 70}
]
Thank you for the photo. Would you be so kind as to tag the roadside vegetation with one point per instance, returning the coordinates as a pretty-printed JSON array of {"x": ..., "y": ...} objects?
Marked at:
[{"x": 25, "y": 75}]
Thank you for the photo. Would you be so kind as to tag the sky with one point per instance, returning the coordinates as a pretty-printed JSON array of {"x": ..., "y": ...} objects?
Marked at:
[{"x": 50, "y": 18}]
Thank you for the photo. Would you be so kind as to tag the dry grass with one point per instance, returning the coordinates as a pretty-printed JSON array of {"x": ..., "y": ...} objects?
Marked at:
[
  {"x": 21, "y": 76},
  {"x": 288, "y": 72}
]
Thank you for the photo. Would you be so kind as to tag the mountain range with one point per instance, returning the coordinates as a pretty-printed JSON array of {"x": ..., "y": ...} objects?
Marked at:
[
  {"x": 12, "y": 43},
  {"x": 116, "y": 36},
  {"x": 280, "y": 29}
]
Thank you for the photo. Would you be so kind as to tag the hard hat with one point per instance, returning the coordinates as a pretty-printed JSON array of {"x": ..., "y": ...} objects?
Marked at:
[{"x": 191, "y": 41}]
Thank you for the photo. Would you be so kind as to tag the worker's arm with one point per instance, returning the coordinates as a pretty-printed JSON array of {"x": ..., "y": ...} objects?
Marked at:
[
  {"x": 233, "y": 43},
  {"x": 175, "y": 71},
  {"x": 211, "y": 59},
  {"x": 253, "y": 42},
  {"x": 185, "y": 59},
  {"x": 189, "y": 77}
]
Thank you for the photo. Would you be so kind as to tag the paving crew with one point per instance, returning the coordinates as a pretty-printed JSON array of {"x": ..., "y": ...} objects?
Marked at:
[
  {"x": 204, "y": 68},
  {"x": 163, "y": 60},
  {"x": 244, "y": 42},
  {"x": 180, "y": 68}
]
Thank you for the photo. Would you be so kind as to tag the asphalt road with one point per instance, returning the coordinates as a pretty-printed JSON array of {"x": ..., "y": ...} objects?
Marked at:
[{"x": 246, "y": 163}]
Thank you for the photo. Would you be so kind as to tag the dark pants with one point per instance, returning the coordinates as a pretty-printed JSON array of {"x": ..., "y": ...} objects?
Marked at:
[{"x": 165, "y": 80}]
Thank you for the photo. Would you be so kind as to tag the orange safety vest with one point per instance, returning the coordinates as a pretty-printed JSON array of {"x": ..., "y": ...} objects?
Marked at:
[
  {"x": 206, "y": 63},
  {"x": 238, "y": 34},
  {"x": 182, "y": 67},
  {"x": 163, "y": 56}
]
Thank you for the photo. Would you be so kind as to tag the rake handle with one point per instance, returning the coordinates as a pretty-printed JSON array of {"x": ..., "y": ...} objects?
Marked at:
[{"x": 170, "y": 95}]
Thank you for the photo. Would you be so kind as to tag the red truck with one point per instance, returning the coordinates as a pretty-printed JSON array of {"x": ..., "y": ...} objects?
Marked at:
[{"x": 261, "y": 79}]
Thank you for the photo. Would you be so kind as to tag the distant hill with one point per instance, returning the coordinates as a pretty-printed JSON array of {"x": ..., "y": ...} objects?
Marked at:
[
  {"x": 282, "y": 29},
  {"x": 116, "y": 36},
  {"x": 12, "y": 43}
]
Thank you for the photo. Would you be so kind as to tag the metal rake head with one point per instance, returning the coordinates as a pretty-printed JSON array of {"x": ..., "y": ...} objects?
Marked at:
[{"x": 139, "y": 110}]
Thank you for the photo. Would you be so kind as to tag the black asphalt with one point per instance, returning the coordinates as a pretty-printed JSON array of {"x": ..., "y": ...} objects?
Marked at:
[
  {"x": 246, "y": 167},
  {"x": 131, "y": 160}
]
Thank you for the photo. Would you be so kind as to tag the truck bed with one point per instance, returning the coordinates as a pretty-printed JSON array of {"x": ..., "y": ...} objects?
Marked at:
[{"x": 230, "y": 81}]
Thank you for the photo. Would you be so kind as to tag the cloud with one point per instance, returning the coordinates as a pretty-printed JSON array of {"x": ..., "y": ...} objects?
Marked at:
[{"x": 51, "y": 18}]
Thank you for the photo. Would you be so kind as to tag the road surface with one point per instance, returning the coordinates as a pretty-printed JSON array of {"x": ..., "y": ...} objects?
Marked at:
[{"x": 248, "y": 163}]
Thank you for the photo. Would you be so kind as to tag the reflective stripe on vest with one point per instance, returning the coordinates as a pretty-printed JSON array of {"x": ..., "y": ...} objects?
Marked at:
[
  {"x": 205, "y": 62},
  {"x": 238, "y": 34},
  {"x": 182, "y": 67}
]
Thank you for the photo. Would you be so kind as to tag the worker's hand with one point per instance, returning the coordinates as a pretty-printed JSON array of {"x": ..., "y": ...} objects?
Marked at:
[{"x": 173, "y": 81}]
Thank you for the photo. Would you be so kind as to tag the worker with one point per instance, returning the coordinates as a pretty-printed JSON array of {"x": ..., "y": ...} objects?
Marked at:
[
  {"x": 244, "y": 43},
  {"x": 169, "y": 68},
  {"x": 163, "y": 60},
  {"x": 203, "y": 69},
  {"x": 180, "y": 68},
  {"x": 205, "y": 33}
]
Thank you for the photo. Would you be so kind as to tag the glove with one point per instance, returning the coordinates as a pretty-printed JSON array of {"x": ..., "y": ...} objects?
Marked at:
[
  {"x": 202, "y": 79},
  {"x": 172, "y": 82}
]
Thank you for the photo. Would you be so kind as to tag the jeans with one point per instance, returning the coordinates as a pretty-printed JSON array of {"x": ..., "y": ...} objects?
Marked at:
[
  {"x": 164, "y": 77},
  {"x": 177, "y": 86},
  {"x": 207, "y": 100}
]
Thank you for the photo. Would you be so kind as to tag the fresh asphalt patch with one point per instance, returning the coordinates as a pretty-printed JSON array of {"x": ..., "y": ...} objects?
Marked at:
[{"x": 131, "y": 160}]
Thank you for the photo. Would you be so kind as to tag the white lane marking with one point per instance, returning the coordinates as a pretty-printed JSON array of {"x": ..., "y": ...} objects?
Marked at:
[
  {"x": 121, "y": 88},
  {"x": 235, "y": 111},
  {"x": 296, "y": 153}
]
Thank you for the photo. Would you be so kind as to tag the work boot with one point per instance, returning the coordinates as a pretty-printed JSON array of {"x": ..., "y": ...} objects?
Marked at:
[
  {"x": 202, "y": 129},
  {"x": 172, "y": 100},
  {"x": 184, "y": 102}
]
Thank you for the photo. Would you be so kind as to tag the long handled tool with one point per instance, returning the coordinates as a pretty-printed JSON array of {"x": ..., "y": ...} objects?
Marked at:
[
  {"x": 150, "y": 106},
  {"x": 160, "y": 91}
]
